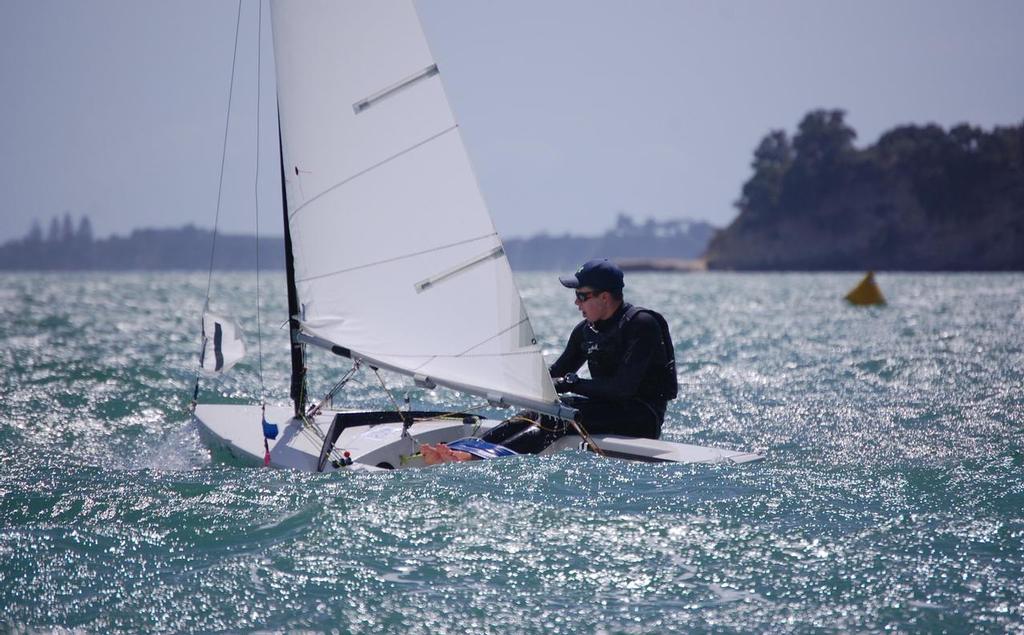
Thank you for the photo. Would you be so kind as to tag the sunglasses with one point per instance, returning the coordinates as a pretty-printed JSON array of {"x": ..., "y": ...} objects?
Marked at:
[{"x": 583, "y": 296}]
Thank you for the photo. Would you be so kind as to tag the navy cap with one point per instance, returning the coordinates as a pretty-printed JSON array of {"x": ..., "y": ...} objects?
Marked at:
[{"x": 600, "y": 274}]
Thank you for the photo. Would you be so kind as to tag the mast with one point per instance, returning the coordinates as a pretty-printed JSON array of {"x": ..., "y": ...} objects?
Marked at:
[{"x": 298, "y": 383}]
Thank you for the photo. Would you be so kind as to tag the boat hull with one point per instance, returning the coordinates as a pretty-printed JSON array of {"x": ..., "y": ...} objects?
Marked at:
[{"x": 381, "y": 446}]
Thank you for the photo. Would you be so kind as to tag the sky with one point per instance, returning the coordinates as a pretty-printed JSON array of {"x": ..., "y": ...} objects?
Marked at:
[{"x": 573, "y": 111}]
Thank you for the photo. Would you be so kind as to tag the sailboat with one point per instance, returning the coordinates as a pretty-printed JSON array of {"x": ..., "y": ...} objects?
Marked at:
[{"x": 392, "y": 258}]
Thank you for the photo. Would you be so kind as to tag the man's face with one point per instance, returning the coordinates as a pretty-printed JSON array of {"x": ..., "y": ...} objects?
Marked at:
[{"x": 592, "y": 304}]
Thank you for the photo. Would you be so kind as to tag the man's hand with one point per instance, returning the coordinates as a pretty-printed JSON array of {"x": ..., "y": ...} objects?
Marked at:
[{"x": 565, "y": 384}]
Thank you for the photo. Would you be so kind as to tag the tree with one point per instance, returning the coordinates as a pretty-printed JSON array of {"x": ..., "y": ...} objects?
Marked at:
[
  {"x": 823, "y": 152},
  {"x": 67, "y": 232},
  {"x": 772, "y": 158},
  {"x": 823, "y": 139},
  {"x": 624, "y": 224},
  {"x": 967, "y": 138},
  {"x": 53, "y": 234},
  {"x": 35, "y": 234},
  {"x": 84, "y": 233},
  {"x": 905, "y": 149}
]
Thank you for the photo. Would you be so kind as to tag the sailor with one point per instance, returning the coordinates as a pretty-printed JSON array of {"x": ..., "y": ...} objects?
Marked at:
[{"x": 629, "y": 353}]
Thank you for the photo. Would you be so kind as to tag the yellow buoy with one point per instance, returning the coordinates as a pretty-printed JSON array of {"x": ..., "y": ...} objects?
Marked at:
[{"x": 866, "y": 292}]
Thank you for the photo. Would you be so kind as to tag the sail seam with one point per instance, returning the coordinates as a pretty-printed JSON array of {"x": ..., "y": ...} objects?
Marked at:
[
  {"x": 466, "y": 353},
  {"x": 527, "y": 352},
  {"x": 370, "y": 169},
  {"x": 433, "y": 356},
  {"x": 496, "y": 335},
  {"x": 402, "y": 257}
]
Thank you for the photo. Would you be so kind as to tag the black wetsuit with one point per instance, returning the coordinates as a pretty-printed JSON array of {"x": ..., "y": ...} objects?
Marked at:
[{"x": 633, "y": 377}]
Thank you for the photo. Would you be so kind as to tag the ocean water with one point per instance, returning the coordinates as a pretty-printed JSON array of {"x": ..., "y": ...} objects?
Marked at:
[{"x": 892, "y": 497}]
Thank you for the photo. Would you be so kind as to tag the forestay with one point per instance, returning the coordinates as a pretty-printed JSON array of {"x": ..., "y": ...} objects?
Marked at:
[{"x": 395, "y": 254}]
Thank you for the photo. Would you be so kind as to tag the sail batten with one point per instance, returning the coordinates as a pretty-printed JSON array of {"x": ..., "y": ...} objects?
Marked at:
[
  {"x": 428, "y": 283},
  {"x": 393, "y": 247},
  {"x": 426, "y": 73}
]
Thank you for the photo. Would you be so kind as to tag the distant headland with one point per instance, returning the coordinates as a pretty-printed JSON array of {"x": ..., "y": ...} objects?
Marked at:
[{"x": 920, "y": 199}]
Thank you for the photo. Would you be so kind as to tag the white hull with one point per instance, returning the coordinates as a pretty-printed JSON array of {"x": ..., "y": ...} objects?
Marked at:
[{"x": 382, "y": 446}]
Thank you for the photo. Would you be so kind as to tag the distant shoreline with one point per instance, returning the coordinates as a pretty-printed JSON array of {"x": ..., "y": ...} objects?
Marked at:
[
  {"x": 673, "y": 245},
  {"x": 920, "y": 199},
  {"x": 662, "y": 265}
]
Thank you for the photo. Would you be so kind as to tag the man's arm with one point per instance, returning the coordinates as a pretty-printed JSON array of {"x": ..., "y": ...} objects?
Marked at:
[
  {"x": 642, "y": 342},
  {"x": 572, "y": 357}
]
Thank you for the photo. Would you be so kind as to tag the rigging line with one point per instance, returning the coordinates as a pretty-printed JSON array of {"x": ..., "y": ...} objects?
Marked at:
[
  {"x": 318, "y": 408},
  {"x": 224, "y": 151},
  {"x": 256, "y": 191},
  {"x": 396, "y": 258},
  {"x": 311, "y": 432},
  {"x": 316, "y": 437},
  {"x": 216, "y": 217},
  {"x": 394, "y": 402},
  {"x": 309, "y": 428},
  {"x": 371, "y": 168},
  {"x": 586, "y": 437},
  {"x": 462, "y": 413}
]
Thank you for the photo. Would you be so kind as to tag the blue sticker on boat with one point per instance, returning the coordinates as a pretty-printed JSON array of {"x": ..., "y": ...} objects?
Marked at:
[{"x": 480, "y": 448}]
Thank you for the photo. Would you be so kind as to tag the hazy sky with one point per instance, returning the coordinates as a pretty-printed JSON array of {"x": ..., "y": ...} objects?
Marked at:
[{"x": 572, "y": 111}]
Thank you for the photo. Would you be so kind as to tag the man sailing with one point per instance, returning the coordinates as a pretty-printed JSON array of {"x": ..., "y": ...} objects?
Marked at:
[{"x": 629, "y": 353}]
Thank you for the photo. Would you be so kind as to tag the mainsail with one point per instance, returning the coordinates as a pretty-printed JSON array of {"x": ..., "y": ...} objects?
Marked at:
[{"x": 396, "y": 258}]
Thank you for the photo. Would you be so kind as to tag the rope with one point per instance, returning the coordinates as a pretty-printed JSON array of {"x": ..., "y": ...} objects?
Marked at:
[
  {"x": 216, "y": 217},
  {"x": 309, "y": 429},
  {"x": 575, "y": 424},
  {"x": 224, "y": 149},
  {"x": 256, "y": 193},
  {"x": 315, "y": 410},
  {"x": 586, "y": 437},
  {"x": 394, "y": 401}
]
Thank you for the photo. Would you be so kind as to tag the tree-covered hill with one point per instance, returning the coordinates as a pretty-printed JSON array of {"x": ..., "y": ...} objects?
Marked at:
[{"x": 921, "y": 198}]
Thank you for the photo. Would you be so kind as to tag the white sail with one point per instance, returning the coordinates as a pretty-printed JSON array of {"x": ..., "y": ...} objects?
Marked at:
[{"x": 396, "y": 256}]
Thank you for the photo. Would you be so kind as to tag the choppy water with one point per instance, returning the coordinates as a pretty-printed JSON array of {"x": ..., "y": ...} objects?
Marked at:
[{"x": 892, "y": 497}]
